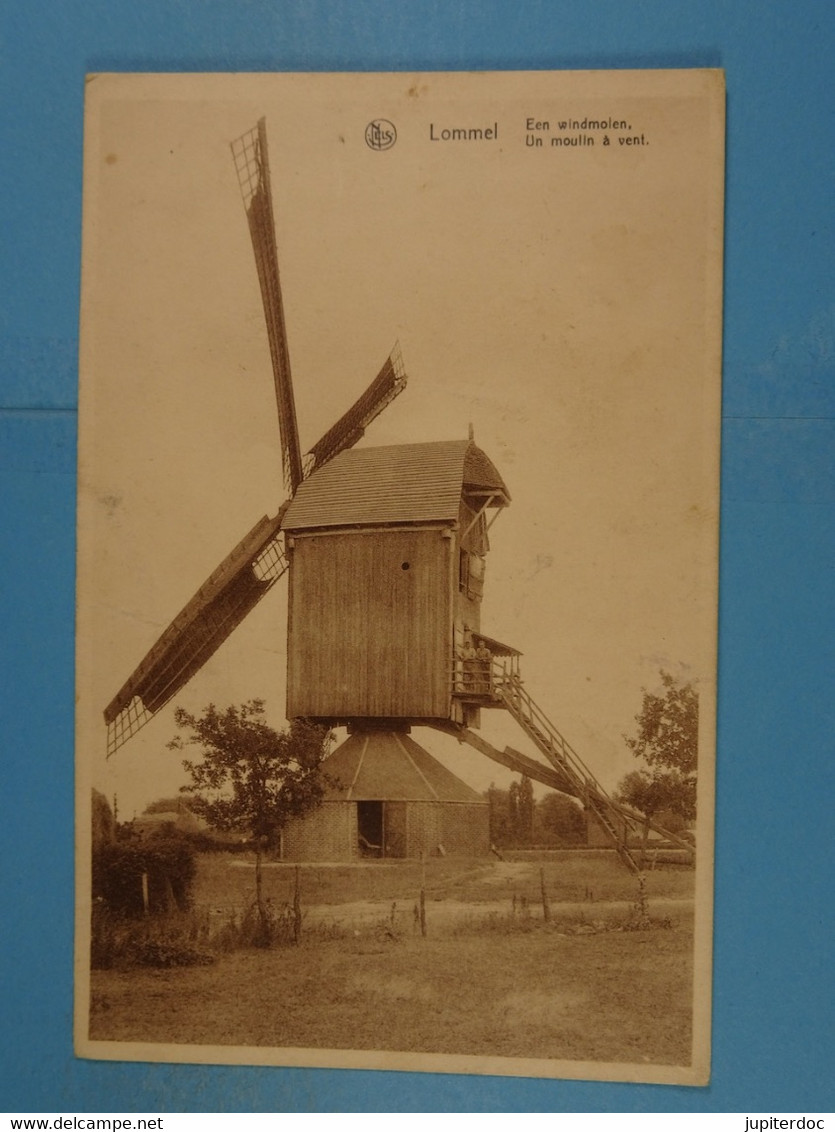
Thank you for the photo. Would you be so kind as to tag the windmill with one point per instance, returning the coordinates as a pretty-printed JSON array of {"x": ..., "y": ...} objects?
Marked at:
[{"x": 385, "y": 550}]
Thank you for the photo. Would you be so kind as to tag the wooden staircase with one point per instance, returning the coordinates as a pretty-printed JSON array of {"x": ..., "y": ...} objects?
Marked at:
[{"x": 580, "y": 782}]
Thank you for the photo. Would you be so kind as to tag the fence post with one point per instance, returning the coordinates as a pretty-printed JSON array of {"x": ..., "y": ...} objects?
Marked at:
[
  {"x": 546, "y": 907},
  {"x": 423, "y": 894},
  {"x": 297, "y": 908}
]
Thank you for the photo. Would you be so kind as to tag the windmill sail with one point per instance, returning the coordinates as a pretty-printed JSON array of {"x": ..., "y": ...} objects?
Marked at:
[
  {"x": 258, "y": 561},
  {"x": 388, "y": 384},
  {"x": 251, "y": 163},
  {"x": 236, "y": 586},
  {"x": 218, "y": 607}
]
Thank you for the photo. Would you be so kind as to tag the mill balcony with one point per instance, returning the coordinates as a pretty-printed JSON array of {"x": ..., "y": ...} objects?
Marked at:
[{"x": 481, "y": 669}]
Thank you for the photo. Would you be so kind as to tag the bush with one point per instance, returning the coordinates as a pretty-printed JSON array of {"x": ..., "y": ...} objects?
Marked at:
[
  {"x": 207, "y": 841},
  {"x": 103, "y": 822},
  {"x": 152, "y": 952},
  {"x": 119, "y": 941},
  {"x": 280, "y": 922},
  {"x": 118, "y": 867}
]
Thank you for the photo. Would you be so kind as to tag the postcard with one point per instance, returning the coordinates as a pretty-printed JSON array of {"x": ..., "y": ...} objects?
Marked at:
[{"x": 397, "y": 571}]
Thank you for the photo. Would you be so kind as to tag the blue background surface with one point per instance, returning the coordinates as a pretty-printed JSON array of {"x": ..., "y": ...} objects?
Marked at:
[{"x": 773, "y": 1047}]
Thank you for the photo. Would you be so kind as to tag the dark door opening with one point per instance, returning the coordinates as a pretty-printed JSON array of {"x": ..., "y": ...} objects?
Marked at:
[{"x": 370, "y": 828}]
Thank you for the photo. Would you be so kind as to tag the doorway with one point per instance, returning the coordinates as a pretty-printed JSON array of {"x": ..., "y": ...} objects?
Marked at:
[
  {"x": 370, "y": 828},
  {"x": 381, "y": 829}
]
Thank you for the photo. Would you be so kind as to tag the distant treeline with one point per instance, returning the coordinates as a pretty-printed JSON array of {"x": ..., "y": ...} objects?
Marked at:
[{"x": 518, "y": 820}]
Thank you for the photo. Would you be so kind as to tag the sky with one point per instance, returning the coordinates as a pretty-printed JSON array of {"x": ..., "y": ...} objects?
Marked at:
[{"x": 562, "y": 300}]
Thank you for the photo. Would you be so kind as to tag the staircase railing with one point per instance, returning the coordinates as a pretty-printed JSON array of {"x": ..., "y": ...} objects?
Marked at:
[
  {"x": 547, "y": 736},
  {"x": 556, "y": 748}
]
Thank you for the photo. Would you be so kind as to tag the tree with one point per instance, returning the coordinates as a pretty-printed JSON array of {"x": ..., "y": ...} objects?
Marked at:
[
  {"x": 511, "y": 814},
  {"x": 499, "y": 801},
  {"x": 104, "y": 824},
  {"x": 558, "y": 820},
  {"x": 525, "y": 804},
  {"x": 520, "y": 798},
  {"x": 252, "y": 779},
  {"x": 667, "y": 742},
  {"x": 668, "y": 727},
  {"x": 644, "y": 792}
]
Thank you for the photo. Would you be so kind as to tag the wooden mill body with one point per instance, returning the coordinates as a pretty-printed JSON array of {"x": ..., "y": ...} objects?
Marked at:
[{"x": 387, "y": 549}]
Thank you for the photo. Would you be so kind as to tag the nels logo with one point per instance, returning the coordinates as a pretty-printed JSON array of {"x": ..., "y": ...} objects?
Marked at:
[{"x": 380, "y": 134}]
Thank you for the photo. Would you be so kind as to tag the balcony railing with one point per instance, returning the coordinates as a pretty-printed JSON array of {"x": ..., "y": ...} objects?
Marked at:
[{"x": 480, "y": 674}]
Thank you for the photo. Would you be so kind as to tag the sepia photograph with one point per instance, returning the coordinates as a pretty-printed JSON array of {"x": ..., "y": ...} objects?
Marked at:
[{"x": 398, "y": 519}]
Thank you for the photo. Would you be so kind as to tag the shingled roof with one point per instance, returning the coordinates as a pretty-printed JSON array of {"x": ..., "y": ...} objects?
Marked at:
[
  {"x": 390, "y": 766},
  {"x": 401, "y": 483}
]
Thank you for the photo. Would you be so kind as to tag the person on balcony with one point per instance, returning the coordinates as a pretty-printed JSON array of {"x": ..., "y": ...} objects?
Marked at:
[
  {"x": 469, "y": 658},
  {"x": 484, "y": 662}
]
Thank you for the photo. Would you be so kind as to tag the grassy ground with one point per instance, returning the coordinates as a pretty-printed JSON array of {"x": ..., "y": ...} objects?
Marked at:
[
  {"x": 485, "y": 982},
  {"x": 227, "y": 881}
]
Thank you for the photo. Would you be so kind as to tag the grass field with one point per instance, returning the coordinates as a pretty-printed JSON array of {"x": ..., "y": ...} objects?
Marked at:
[
  {"x": 226, "y": 881},
  {"x": 491, "y": 977}
]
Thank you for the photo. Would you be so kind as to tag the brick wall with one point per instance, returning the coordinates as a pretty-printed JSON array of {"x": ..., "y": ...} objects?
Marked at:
[{"x": 328, "y": 834}]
